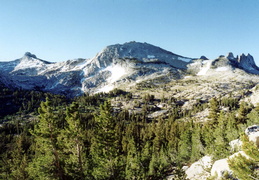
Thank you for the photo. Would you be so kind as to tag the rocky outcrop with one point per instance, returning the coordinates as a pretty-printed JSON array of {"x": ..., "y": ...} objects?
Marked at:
[
  {"x": 230, "y": 56},
  {"x": 221, "y": 167},
  {"x": 228, "y": 63},
  {"x": 253, "y": 134},
  {"x": 200, "y": 169},
  {"x": 247, "y": 63},
  {"x": 235, "y": 145},
  {"x": 204, "y": 168},
  {"x": 204, "y": 58}
]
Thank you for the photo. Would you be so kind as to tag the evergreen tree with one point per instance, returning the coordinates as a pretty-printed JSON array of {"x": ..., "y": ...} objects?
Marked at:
[
  {"x": 197, "y": 149},
  {"x": 245, "y": 168},
  {"x": 253, "y": 117},
  {"x": 250, "y": 148},
  {"x": 107, "y": 162},
  {"x": 242, "y": 112},
  {"x": 72, "y": 140},
  {"x": 221, "y": 143},
  {"x": 241, "y": 167},
  {"x": 133, "y": 164},
  {"x": 209, "y": 139},
  {"x": 47, "y": 162},
  {"x": 231, "y": 127},
  {"x": 214, "y": 110},
  {"x": 185, "y": 144},
  {"x": 159, "y": 132},
  {"x": 159, "y": 164},
  {"x": 18, "y": 160},
  {"x": 146, "y": 155},
  {"x": 173, "y": 139}
]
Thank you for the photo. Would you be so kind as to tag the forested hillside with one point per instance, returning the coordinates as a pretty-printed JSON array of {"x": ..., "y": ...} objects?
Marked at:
[{"x": 45, "y": 136}]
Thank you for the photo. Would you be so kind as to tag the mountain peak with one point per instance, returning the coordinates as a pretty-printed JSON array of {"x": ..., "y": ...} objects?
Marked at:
[
  {"x": 142, "y": 52},
  {"x": 28, "y": 54},
  {"x": 230, "y": 56},
  {"x": 203, "y": 58},
  {"x": 137, "y": 50}
]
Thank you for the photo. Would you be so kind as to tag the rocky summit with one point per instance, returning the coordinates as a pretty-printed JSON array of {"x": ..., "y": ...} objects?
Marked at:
[{"x": 115, "y": 66}]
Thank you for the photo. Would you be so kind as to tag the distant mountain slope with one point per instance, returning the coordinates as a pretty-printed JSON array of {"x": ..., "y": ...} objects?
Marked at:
[{"x": 116, "y": 65}]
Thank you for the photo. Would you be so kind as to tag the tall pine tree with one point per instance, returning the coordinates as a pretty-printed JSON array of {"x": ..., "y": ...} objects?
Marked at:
[
  {"x": 105, "y": 148},
  {"x": 71, "y": 139},
  {"x": 47, "y": 162}
]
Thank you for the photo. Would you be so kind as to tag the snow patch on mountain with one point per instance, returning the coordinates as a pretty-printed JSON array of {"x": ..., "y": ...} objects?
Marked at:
[
  {"x": 204, "y": 69},
  {"x": 116, "y": 73},
  {"x": 220, "y": 69},
  {"x": 184, "y": 59},
  {"x": 30, "y": 62},
  {"x": 106, "y": 88}
]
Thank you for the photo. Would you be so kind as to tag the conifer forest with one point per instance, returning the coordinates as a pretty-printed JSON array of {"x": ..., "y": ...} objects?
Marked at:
[{"x": 46, "y": 136}]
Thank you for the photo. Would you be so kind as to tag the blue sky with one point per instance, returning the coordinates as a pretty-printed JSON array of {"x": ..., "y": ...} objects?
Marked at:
[{"x": 57, "y": 30}]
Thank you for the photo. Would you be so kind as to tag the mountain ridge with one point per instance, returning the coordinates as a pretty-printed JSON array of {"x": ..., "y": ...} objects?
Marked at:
[{"x": 115, "y": 65}]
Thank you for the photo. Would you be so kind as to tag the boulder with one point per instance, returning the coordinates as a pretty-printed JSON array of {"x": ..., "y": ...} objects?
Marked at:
[
  {"x": 253, "y": 134},
  {"x": 200, "y": 169},
  {"x": 235, "y": 145},
  {"x": 220, "y": 167}
]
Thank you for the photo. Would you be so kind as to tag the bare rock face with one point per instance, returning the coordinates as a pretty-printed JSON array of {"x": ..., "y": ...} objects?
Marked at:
[
  {"x": 32, "y": 73},
  {"x": 204, "y": 58},
  {"x": 248, "y": 64},
  {"x": 230, "y": 56},
  {"x": 116, "y": 64}
]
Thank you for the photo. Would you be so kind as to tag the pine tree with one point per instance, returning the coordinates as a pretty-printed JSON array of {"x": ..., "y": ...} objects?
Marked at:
[
  {"x": 221, "y": 143},
  {"x": 159, "y": 164},
  {"x": 250, "y": 148},
  {"x": 253, "y": 117},
  {"x": 209, "y": 139},
  {"x": 185, "y": 144},
  {"x": 71, "y": 139},
  {"x": 108, "y": 163},
  {"x": 146, "y": 155},
  {"x": 133, "y": 164},
  {"x": 231, "y": 127},
  {"x": 242, "y": 111},
  {"x": 18, "y": 160},
  {"x": 241, "y": 167},
  {"x": 173, "y": 138},
  {"x": 47, "y": 162},
  {"x": 214, "y": 110},
  {"x": 159, "y": 131},
  {"x": 245, "y": 168},
  {"x": 197, "y": 150}
]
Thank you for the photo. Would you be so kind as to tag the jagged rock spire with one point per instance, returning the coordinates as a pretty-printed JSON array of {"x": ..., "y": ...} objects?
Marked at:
[{"x": 230, "y": 56}]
